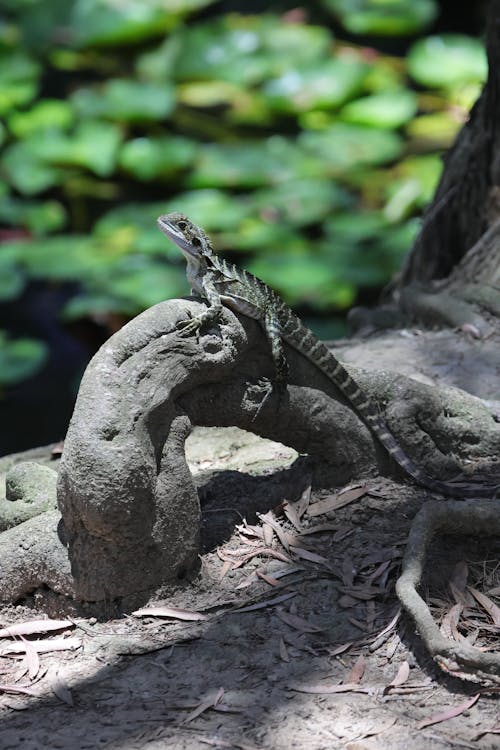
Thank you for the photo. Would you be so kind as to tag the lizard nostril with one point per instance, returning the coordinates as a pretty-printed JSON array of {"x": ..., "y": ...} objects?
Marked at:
[{"x": 182, "y": 225}]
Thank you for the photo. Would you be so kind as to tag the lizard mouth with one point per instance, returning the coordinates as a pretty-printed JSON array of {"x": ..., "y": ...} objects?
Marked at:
[{"x": 173, "y": 232}]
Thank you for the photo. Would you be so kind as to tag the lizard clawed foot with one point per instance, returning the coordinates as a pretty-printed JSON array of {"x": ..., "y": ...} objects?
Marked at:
[{"x": 189, "y": 327}]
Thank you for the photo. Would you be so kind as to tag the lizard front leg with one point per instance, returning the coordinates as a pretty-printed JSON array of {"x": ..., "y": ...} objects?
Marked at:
[
  {"x": 210, "y": 315},
  {"x": 272, "y": 330}
]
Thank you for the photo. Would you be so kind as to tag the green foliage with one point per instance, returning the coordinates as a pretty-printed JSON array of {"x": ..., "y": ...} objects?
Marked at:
[
  {"x": 309, "y": 155},
  {"x": 383, "y": 17},
  {"x": 447, "y": 61},
  {"x": 19, "y": 358}
]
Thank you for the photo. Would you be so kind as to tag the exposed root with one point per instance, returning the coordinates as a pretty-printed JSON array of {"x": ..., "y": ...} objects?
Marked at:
[{"x": 472, "y": 517}]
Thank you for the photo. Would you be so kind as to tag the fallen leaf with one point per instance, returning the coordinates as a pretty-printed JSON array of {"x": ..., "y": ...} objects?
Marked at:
[
  {"x": 61, "y": 689},
  {"x": 284, "y": 651},
  {"x": 328, "y": 689},
  {"x": 204, "y": 706},
  {"x": 450, "y": 621},
  {"x": 449, "y": 714},
  {"x": 41, "y": 646},
  {"x": 380, "y": 639},
  {"x": 487, "y": 604},
  {"x": 34, "y": 626},
  {"x": 401, "y": 676},
  {"x": 268, "y": 533},
  {"x": 268, "y": 603},
  {"x": 340, "y": 649},
  {"x": 357, "y": 671},
  {"x": 294, "y": 621},
  {"x": 18, "y": 689},
  {"x": 32, "y": 659},
  {"x": 290, "y": 512},
  {"x": 280, "y": 532},
  {"x": 303, "y": 502},
  {"x": 305, "y": 554},
  {"x": 226, "y": 567},
  {"x": 174, "y": 612},
  {"x": 339, "y": 500},
  {"x": 268, "y": 579}
]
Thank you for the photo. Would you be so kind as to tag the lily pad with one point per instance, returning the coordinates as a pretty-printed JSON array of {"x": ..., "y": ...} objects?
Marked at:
[
  {"x": 39, "y": 218},
  {"x": 106, "y": 22},
  {"x": 306, "y": 279},
  {"x": 93, "y": 145},
  {"x": 133, "y": 284},
  {"x": 12, "y": 280},
  {"x": 48, "y": 113},
  {"x": 387, "y": 109},
  {"x": 26, "y": 171},
  {"x": 383, "y": 17},
  {"x": 342, "y": 146},
  {"x": 326, "y": 85},
  {"x": 126, "y": 100},
  {"x": 62, "y": 258},
  {"x": 247, "y": 49},
  {"x": 149, "y": 158},
  {"x": 447, "y": 61},
  {"x": 438, "y": 128},
  {"x": 299, "y": 202},
  {"x": 20, "y": 358},
  {"x": 19, "y": 74},
  {"x": 252, "y": 164}
]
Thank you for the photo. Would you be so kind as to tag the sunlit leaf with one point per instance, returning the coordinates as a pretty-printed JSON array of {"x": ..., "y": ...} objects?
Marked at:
[
  {"x": 93, "y": 145},
  {"x": 12, "y": 280},
  {"x": 263, "y": 236},
  {"x": 412, "y": 186},
  {"x": 305, "y": 280},
  {"x": 147, "y": 158},
  {"x": 328, "y": 84},
  {"x": 126, "y": 100},
  {"x": 19, "y": 75},
  {"x": 20, "y": 358},
  {"x": 388, "y": 109},
  {"x": 247, "y": 49},
  {"x": 133, "y": 284},
  {"x": 48, "y": 113},
  {"x": 343, "y": 146},
  {"x": 107, "y": 22},
  {"x": 383, "y": 17},
  {"x": 370, "y": 237},
  {"x": 447, "y": 60},
  {"x": 299, "y": 202},
  {"x": 26, "y": 171},
  {"x": 258, "y": 163},
  {"x": 62, "y": 257},
  {"x": 39, "y": 218},
  {"x": 439, "y": 128}
]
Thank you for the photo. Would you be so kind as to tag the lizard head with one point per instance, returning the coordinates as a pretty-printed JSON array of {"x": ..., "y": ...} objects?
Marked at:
[{"x": 187, "y": 236}]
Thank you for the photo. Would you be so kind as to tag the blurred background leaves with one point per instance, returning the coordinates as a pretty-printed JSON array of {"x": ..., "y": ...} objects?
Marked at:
[{"x": 305, "y": 139}]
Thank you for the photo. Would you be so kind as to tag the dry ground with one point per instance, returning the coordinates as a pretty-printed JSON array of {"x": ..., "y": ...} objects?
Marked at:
[{"x": 317, "y": 656}]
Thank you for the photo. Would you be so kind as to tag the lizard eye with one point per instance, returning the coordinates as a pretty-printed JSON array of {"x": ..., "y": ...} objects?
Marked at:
[
  {"x": 182, "y": 225},
  {"x": 196, "y": 241}
]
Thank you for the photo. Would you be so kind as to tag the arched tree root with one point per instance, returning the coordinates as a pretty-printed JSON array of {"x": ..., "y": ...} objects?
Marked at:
[
  {"x": 130, "y": 514},
  {"x": 450, "y": 517}
]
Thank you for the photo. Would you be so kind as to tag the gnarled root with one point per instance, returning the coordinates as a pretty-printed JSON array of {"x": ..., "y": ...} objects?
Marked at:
[{"x": 451, "y": 517}]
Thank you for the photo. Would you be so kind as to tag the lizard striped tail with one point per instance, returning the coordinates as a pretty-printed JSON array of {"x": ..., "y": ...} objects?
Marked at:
[{"x": 305, "y": 342}]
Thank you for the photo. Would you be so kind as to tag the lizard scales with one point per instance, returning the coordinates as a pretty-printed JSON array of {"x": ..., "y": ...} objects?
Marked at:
[{"x": 222, "y": 283}]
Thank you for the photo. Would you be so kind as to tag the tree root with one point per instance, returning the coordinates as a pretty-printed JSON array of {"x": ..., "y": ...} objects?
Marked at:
[
  {"x": 130, "y": 514},
  {"x": 455, "y": 517}
]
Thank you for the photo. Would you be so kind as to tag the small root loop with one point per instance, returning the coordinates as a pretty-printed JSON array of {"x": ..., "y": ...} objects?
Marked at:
[{"x": 471, "y": 517}]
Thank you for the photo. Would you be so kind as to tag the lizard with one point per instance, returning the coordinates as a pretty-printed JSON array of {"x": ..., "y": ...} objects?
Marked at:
[{"x": 220, "y": 282}]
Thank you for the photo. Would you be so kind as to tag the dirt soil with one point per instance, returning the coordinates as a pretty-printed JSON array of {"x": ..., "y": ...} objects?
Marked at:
[{"x": 300, "y": 643}]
